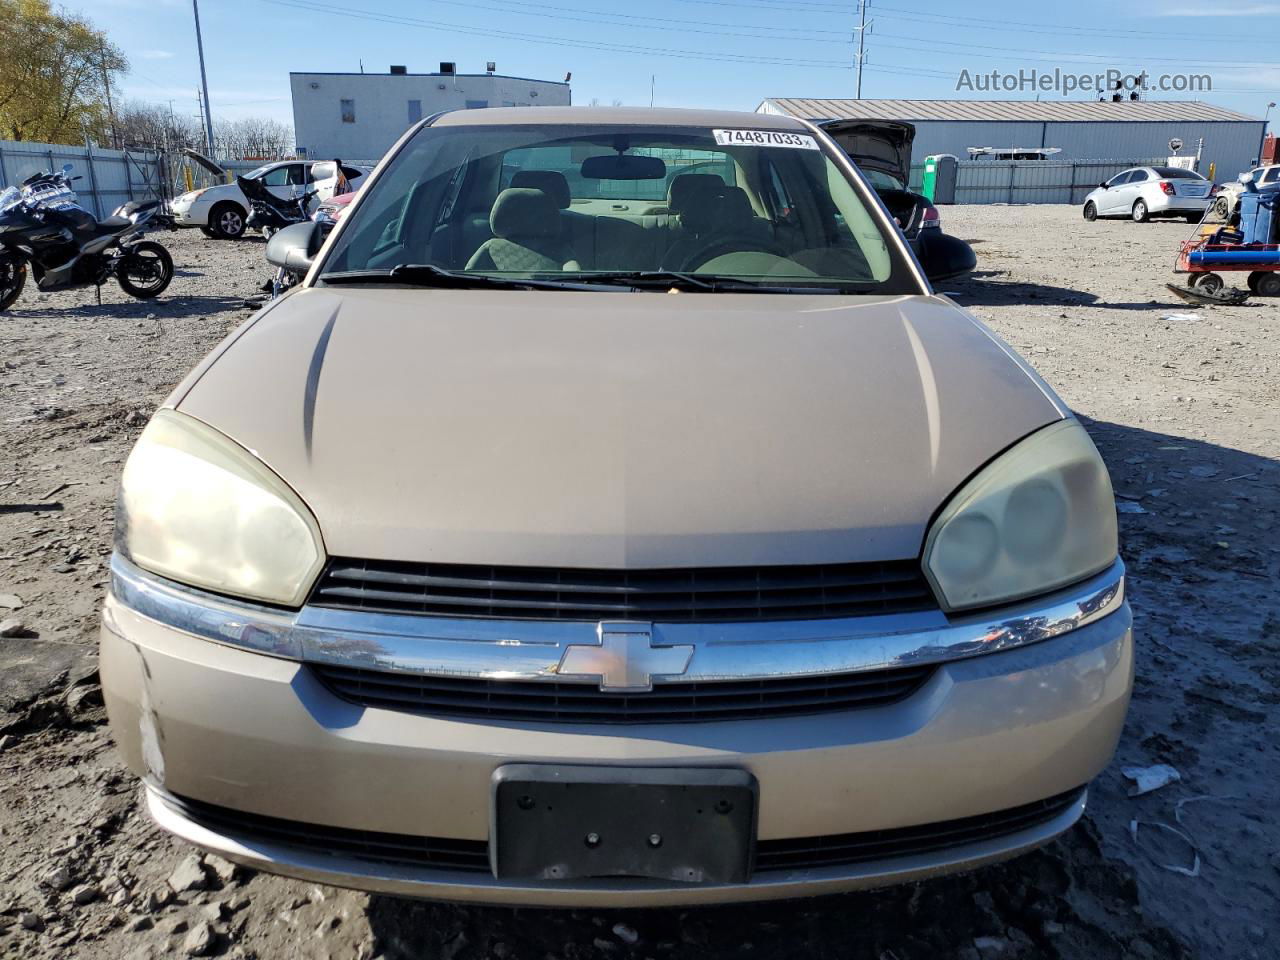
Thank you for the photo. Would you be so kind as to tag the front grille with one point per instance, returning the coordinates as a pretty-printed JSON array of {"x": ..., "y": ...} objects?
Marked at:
[
  {"x": 674, "y": 595},
  {"x": 559, "y": 702},
  {"x": 472, "y": 856}
]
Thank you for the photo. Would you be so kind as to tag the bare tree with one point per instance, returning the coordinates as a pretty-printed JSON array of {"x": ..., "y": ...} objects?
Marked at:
[
  {"x": 252, "y": 138},
  {"x": 156, "y": 127}
]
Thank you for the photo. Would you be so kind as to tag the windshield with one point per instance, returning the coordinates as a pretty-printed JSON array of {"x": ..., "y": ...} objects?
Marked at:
[
  {"x": 256, "y": 172},
  {"x": 576, "y": 202}
]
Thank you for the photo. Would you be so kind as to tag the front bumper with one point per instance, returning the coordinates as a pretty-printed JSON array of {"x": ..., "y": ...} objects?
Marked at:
[
  {"x": 190, "y": 213},
  {"x": 259, "y": 740}
]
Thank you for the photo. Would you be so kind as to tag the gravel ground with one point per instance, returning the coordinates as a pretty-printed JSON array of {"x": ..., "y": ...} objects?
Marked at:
[{"x": 1183, "y": 404}]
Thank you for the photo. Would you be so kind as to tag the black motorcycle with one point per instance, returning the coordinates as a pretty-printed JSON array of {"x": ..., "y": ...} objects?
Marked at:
[
  {"x": 44, "y": 228},
  {"x": 271, "y": 214}
]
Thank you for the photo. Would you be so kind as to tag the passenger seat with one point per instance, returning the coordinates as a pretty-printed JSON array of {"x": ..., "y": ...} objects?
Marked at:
[
  {"x": 527, "y": 235},
  {"x": 578, "y": 229}
]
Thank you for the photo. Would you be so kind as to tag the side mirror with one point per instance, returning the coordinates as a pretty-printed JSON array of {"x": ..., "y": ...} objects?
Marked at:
[
  {"x": 1103, "y": 185},
  {"x": 294, "y": 248}
]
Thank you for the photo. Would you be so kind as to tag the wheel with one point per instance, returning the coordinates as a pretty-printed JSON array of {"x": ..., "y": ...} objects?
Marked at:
[
  {"x": 1253, "y": 280},
  {"x": 1267, "y": 285},
  {"x": 13, "y": 277},
  {"x": 1207, "y": 282},
  {"x": 1090, "y": 211},
  {"x": 227, "y": 220},
  {"x": 145, "y": 270},
  {"x": 1140, "y": 213},
  {"x": 1222, "y": 207},
  {"x": 209, "y": 232}
]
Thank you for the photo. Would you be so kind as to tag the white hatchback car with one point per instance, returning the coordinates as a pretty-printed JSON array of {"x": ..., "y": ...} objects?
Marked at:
[
  {"x": 221, "y": 211},
  {"x": 1145, "y": 192}
]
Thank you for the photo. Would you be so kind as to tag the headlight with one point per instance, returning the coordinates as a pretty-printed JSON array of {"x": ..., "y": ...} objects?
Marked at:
[
  {"x": 1041, "y": 516},
  {"x": 190, "y": 197},
  {"x": 199, "y": 509}
]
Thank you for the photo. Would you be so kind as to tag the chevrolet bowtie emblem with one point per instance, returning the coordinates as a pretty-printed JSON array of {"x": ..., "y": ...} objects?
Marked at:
[{"x": 625, "y": 658}]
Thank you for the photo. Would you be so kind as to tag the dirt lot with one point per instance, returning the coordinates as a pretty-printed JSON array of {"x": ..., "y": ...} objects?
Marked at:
[{"x": 1183, "y": 403}]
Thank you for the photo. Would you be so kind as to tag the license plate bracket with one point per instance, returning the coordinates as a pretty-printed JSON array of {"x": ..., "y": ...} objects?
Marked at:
[{"x": 565, "y": 822}]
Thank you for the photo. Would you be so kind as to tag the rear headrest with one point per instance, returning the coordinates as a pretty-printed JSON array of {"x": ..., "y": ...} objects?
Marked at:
[
  {"x": 550, "y": 182},
  {"x": 727, "y": 209},
  {"x": 688, "y": 185},
  {"x": 520, "y": 212}
]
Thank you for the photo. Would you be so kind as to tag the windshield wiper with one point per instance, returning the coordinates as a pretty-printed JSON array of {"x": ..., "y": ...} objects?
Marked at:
[
  {"x": 696, "y": 282},
  {"x": 429, "y": 275}
]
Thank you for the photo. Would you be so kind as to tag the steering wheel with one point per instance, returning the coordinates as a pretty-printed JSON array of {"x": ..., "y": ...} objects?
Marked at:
[{"x": 728, "y": 245}]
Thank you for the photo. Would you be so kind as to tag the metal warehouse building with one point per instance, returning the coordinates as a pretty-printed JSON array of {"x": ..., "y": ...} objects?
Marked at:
[
  {"x": 1127, "y": 130},
  {"x": 358, "y": 116}
]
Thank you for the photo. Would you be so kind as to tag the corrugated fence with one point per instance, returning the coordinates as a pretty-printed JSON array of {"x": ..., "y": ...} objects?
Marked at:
[
  {"x": 109, "y": 177},
  {"x": 1031, "y": 181}
]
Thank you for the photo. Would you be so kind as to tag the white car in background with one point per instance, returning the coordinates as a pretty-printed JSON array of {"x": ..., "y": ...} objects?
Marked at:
[
  {"x": 1141, "y": 193},
  {"x": 221, "y": 211},
  {"x": 1228, "y": 195}
]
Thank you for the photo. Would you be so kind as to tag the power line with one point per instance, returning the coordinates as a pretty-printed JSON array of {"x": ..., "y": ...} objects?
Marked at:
[
  {"x": 440, "y": 26},
  {"x": 954, "y": 21},
  {"x": 648, "y": 22},
  {"x": 1101, "y": 58}
]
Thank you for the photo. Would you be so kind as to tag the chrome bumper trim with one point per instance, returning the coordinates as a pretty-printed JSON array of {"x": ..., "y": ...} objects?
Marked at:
[{"x": 532, "y": 650}]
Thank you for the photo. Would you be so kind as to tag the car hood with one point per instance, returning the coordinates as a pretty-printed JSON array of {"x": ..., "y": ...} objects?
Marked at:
[
  {"x": 211, "y": 165},
  {"x": 618, "y": 429},
  {"x": 883, "y": 145}
]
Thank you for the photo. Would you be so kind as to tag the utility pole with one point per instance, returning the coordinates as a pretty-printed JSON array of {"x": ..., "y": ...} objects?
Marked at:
[
  {"x": 861, "y": 30},
  {"x": 106, "y": 82},
  {"x": 204, "y": 82},
  {"x": 653, "y": 79}
]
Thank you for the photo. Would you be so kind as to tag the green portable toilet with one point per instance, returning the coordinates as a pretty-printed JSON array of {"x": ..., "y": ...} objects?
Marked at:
[
  {"x": 929, "y": 182},
  {"x": 939, "y": 181}
]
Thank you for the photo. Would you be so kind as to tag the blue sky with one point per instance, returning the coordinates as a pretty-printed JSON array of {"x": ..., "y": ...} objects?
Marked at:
[{"x": 716, "y": 53}]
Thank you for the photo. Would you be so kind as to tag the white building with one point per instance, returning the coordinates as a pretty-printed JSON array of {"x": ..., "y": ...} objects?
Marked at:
[{"x": 358, "y": 116}]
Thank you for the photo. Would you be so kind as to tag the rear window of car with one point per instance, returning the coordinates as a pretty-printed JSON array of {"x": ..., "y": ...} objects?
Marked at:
[
  {"x": 1176, "y": 173},
  {"x": 567, "y": 160}
]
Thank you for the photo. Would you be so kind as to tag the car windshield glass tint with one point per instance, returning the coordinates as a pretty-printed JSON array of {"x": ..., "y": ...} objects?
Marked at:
[{"x": 566, "y": 202}]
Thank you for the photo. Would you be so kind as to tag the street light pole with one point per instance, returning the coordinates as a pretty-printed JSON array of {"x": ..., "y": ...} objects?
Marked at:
[
  {"x": 1262, "y": 140},
  {"x": 204, "y": 82}
]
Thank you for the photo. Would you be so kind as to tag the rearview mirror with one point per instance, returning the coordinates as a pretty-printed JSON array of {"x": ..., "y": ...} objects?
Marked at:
[
  {"x": 623, "y": 166},
  {"x": 294, "y": 248}
]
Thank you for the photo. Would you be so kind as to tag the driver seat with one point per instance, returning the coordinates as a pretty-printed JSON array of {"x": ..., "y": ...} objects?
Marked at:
[{"x": 710, "y": 217}]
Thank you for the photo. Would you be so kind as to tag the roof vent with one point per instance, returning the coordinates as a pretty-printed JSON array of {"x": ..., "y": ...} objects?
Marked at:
[
  {"x": 448, "y": 69},
  {"x": 398, "y": 70}
]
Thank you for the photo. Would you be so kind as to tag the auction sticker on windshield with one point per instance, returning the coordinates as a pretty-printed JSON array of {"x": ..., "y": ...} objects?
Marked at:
[{"x": 764, "y": 138}]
